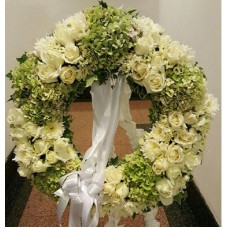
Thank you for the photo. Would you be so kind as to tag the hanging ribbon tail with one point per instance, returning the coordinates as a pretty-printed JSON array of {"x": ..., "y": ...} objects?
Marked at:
[
  {"x": 126, "y": 119},
  {"x": 75, "y": 214},
  {"x": 63, "y": 201},
  {"x": 113, "y": 221},
  {"x": 150, "y": 218}
]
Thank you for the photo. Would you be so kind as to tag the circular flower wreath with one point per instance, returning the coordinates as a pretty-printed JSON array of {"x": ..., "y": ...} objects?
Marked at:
[{"x": 94, "y": 45}]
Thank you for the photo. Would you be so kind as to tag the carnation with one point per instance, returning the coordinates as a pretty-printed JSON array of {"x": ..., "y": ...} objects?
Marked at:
[{"x": 53, "y": 130}]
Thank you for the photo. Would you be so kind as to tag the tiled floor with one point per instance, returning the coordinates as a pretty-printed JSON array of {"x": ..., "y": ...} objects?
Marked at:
[{"x": 40, "y": 210}]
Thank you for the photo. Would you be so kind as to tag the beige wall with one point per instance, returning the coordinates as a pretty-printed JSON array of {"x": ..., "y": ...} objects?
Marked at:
[{"x": 195, "y": 22}]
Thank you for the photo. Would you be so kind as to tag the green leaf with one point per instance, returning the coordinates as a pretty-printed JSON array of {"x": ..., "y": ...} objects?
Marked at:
[
  {"x": 114, "y": 161},
  {"x": 90, "y": 81},
  {"x": 103, "y": 4},
  {"x": 10, "y": 75},
  {"x": 181, "y": 197},
  {"x": 11, "y": 99},
  {"x": 23, "y": 58},
  {"x": 134, "y": 215},
  {"x": 147, "y": 210},
  {"x": 133, "y": 12}
]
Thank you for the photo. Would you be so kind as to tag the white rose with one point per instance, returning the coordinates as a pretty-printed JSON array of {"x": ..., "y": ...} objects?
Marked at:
[
  {"x": 159, "y": 61},
  {"x": 32, "y": 130},
  {"x": 140, "y": 70},
  {"x": 72, "y": 54},
  {"x": 112, "y": 175},
  {"x": 161, "y": 132},
  {"x": 18, "y": 134},
  {"x": 190, "y": 118},
  {"x": 185, "y": 138},
  {"x": 23, "y": 170},
  {"x": 176, "y": 119},
  {"x": 143, "y": 46},
  {"x": 174, "y": 52},
  {"x": 154, "y": 81},
  {"x": 164, "y": 42},
  {"x": 39, "y": 166},
  {"x": 109, "y": 189},
  {"x": 52, "y": 58},
  {"x": 173, "y": 172},
  {"x": 41, "y": 147},
  {"x": 16, "y": 117},
  {"x": 47, "y": 73},
  {"x": 64, "y": 151},
  {"x": 175, "y": 154},
  {"x": 122, "y": 190},
  {"x": 165, "y": 189},
  {"x": 160, "y": 166},
  {"x": 192, "y": 160},
  {"x": 68, "y": 74},
  {"x": 51, "y": 157},
  {"x": 202, "y": 121}
]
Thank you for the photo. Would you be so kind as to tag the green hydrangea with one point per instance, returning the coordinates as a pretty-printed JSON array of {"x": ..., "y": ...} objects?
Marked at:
[
  {"x": 185, "y": 89},
  {"x": 41, "y": 102},
  {"x": 48, "y": 182},
  {"x": 107, "y": 41},
  {"x": 140, "y": 179}
]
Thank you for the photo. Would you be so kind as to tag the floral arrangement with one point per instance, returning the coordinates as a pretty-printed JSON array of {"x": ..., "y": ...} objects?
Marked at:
[{"x": 94, "y": 45}]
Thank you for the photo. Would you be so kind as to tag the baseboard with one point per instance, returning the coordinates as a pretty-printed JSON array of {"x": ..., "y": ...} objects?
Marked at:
[
  {"x": 17, "y": 191},
  {"x": 194, "y": 212}
]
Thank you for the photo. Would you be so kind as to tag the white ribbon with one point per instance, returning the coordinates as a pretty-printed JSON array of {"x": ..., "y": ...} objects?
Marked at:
[
  {"x": 149, "y": 218},
  {"x": 113, "y": 220},
  {"x": 82, "y": 188},
  {"x": 125, "y": 120}
]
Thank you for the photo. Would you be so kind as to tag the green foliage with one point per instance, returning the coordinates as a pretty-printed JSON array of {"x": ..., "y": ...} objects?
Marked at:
[
  {"x": 23, "y": 58},
  {"x": 140, "y": 179},
  {"x": 187, "y": 92},
  {"x": 77, "y": 89},
  {"x": 134, "y": 215},
  {"x": 181, "y": 197},
  {"x": 138, "y": 89},
  {"x": 42, "y": 102},
  {"x": 67, "y": 120},
  {"x": 114, "y": 161},
  {"x": 103, "y": 4},
  {"x": 107, "y": 42},
  {"x": 148, "y": 209},
  {"x": 9, "y": 75}
]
